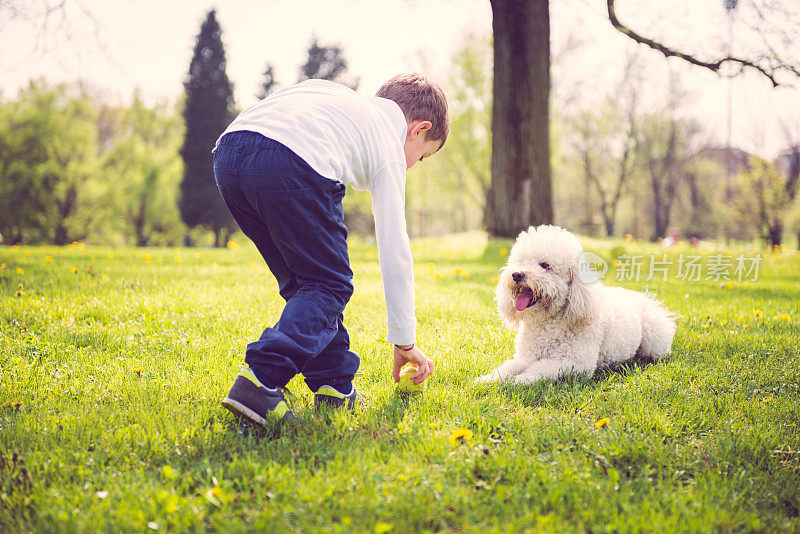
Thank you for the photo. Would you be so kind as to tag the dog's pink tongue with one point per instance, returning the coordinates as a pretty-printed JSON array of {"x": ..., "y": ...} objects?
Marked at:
[{"x": 522, "y": 301}]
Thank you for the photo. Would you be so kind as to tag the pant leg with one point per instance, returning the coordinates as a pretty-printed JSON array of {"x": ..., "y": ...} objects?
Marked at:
[
  {"x": 336, "y": 365},
  {"x": 294, "y": 216}
]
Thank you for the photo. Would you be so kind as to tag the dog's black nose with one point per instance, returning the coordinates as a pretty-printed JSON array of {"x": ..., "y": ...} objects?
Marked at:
[{"x": 518, "y": 277}]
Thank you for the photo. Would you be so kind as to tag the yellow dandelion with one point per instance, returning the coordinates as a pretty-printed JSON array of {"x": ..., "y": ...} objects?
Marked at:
[
  {"x": 730, "y": 287},
  {"x": 27, "y": 252},
  {"x": 602, "y": 422},
  {"x": 111, "y": 256},
  {"x": 178, "y": 259},
  {"x": 628, "y": 237},
  {"x": 767, "y": 400},
  {"x": 48, "y": 259},
  {"x": 462, "y": 435},
  {"x": 758, "y": 313},
  {"x": 233, "y": 245},
  {"x": 437, "y": 276},
  {"x": 148, "y": 258},
  {"x": 785, "y": 317},
  {"x": 20, "y": 293},
  {"x": 3, "y": 265},
  {"x": 503, "y": 251},
  {"x": 197, "y": 255},
  {"x": 745, "y": 325},
  {"x": 74, "y": 270},
  {"x": 458, "y": 270},
  {"x": 495, "y": 280},
  {"x": 20, "y": 270}
]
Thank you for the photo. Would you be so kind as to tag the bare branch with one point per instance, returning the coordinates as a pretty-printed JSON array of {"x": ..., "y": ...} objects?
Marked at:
[{"x": 769, "y": 66}]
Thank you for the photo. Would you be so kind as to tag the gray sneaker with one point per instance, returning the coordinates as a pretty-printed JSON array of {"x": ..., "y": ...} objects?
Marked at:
[
  {"x": 331, "y": 397},
  {"x": 250, "y": 398}
]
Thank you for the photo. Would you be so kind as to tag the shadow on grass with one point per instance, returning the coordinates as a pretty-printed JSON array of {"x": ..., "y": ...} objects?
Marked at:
[
  {"x": 395, "y": 408},
  {"x": 547, "y": 391}
]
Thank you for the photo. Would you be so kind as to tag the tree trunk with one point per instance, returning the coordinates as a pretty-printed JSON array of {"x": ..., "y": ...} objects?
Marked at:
[
  {"x": 609, "y": 222},
  {"x": 776, "y": 234},
  {"x": 521, "y": 192},
  {"x": 60, "y": 237}
]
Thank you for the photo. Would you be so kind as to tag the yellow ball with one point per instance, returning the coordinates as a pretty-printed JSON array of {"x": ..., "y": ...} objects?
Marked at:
[{"x": 406, "y": 385}]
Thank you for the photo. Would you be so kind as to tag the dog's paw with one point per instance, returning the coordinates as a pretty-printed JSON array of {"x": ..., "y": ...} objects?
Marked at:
[{"x": 487, "y": 379}]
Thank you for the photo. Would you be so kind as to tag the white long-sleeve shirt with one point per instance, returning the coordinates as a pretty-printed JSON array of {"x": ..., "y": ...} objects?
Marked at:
[{"x": 358, "y": 141}]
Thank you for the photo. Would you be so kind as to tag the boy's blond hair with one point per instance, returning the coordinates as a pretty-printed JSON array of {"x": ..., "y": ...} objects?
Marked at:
[{"x": 420, "y": 98}]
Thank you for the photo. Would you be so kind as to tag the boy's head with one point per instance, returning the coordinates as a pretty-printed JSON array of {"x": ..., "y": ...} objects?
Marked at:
[{"x": 425, "y": 107}]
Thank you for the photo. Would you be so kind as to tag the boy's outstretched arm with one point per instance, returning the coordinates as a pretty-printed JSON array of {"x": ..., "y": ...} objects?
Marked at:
[{"x": 413, "y": 355}]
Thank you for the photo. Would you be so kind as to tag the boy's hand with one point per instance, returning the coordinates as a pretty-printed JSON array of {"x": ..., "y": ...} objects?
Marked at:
[{"x": 413, "y": 355}]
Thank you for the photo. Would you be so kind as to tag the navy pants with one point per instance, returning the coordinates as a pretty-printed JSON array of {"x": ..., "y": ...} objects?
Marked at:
[{"x": 294, "y": 216}]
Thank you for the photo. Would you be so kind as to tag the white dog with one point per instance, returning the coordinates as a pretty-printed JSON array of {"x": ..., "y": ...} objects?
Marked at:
[{"x": 566, "y": 324}]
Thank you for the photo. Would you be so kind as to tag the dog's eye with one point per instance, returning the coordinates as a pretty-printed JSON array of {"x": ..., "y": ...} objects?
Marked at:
[{"x": 544, "y": 265}]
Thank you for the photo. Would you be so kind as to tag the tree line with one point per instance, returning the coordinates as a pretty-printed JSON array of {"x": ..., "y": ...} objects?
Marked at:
[{"x": 73, "y": 167}]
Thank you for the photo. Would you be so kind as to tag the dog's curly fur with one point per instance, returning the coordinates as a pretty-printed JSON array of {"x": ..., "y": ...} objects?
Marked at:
[{"x": 570, "y": 326}]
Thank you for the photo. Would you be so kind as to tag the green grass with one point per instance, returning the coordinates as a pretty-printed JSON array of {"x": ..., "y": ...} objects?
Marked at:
[{"x": 111, "y": 377}]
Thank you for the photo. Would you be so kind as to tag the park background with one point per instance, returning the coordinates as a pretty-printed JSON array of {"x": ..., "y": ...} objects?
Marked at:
[{"x": 97, "y": 144}]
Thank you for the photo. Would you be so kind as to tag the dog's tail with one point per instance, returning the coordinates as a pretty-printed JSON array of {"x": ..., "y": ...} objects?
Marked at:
[{"x": 658, "y": 329}]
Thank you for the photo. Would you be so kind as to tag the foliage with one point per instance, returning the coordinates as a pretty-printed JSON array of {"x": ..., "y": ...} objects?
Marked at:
[
  {"x": 118, "y": 168},
  {"x": 207, "y": 112},
  {"x": 447, "y": 193},
  {"x": 326, "y": 63},
  {"x": 112, "y": 376},
  {"x": 48, "y": 168},
  {"x": 146, "y": 169},
  {"x": 763, "y": 200}
]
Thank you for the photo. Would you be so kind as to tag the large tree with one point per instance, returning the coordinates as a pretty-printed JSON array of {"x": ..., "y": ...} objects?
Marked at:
[
  {"x": 207, "y": 112},
  {"x": 521, "y": 192}
]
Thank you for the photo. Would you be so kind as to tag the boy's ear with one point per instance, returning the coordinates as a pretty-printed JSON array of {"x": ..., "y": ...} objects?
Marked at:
[{"x": 417, "y": 127}]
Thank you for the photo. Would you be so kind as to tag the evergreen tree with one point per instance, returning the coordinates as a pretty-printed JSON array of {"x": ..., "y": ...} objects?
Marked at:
[
  {"x": 208, "y": 111},
  {"x": 326, "y": 63},
  {"x": 269, "y": 83}
]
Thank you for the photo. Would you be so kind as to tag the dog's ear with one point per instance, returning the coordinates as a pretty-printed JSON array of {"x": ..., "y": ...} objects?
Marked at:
[
  {"x": 505, "y": 302},
  {"x": 580, "y": 300}
]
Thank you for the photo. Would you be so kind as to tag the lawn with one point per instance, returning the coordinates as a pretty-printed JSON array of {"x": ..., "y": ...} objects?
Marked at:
[{"x": 113, "y": 363}]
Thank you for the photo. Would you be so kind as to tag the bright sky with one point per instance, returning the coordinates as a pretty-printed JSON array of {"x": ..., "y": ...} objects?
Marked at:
[{"x": 123, "y": 45}]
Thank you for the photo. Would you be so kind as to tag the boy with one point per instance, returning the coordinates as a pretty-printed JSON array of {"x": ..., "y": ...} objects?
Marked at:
[{"x": 282, "y": 167}]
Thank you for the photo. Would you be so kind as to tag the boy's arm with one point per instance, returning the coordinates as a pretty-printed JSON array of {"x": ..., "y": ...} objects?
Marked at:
[
  {"x": 394, "y": 252},
  {"x": 397, "y": 269}
]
